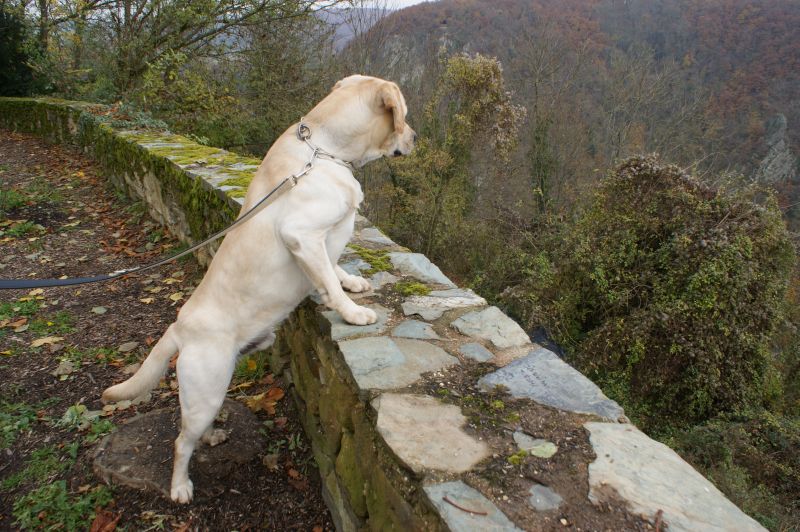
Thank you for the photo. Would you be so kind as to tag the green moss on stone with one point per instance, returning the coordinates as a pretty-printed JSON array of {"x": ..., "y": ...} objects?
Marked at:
[
  {"x": 377, "y": 258},
  {"x": 348, "y": 469},
  {"x": 412, "y": 288}
]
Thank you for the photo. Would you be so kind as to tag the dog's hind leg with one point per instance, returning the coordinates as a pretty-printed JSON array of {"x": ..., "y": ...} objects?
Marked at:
[
  {"x": 153, "y": 368},
  {"x": 204, "y": 372}
]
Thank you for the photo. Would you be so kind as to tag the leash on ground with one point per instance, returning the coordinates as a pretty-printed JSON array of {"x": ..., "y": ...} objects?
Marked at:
[{"x": 303, "y": 134}]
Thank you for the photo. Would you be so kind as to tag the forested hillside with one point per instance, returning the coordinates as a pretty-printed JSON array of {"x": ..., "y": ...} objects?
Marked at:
[{"x": 690, "y": 79}]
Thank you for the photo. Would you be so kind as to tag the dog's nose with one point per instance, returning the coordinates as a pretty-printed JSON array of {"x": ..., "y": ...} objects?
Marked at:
[
  {"x": 397, "y": 153},
  {"x": 415, "y": 137}
]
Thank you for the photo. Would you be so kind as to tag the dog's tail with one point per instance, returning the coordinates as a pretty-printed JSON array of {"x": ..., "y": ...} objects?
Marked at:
[{"x": 147, "y": 377}]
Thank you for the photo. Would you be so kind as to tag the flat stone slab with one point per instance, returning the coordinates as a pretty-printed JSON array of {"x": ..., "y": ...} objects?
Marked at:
[
  {"x": 415, "y": 329},
  {"x": 433, "y": 305},
  {"x": 418, "y": 266},
  {"x": 426, "y": 434},
  {"x": 651, "y": 477},
  {"x": 374, "y": 235},
  {"x": 535, "y": 446},
  {"x": 543, "y": 499},
  {"x": 355, "y": 266},
  {"x": 467, "y": 497},
  {"x": 340, "y": 329},
  {"x": 493, "y": 325},
  {"x": 380, "y": 279},
  {"x": 382, "y": 363},
  {"x": 476, "y": 352},
  {"x": 139, "y": 453},
  {"x": 548, "y": 380}
]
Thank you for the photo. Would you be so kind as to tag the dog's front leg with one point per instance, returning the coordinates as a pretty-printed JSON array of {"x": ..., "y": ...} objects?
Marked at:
[{"x": 308, "y": 248}]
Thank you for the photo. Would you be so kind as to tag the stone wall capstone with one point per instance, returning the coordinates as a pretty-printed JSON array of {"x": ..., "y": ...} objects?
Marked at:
[{"x": 441, "y": 416}]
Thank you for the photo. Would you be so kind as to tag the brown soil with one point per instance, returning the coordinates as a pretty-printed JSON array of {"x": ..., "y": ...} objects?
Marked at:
[{"x": 87, "y": 229}]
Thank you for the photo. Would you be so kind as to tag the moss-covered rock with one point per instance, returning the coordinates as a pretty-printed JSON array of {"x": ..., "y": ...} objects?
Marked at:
[{"x": 349, "y": 470}]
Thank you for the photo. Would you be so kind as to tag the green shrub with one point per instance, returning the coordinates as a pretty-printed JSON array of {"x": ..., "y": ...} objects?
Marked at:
[
  {"x": 666, "y": 293},
  {"x": 753, "y": 458}
]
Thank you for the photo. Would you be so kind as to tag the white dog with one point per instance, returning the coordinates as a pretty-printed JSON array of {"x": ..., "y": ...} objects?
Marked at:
[{"x": 267, "y": 266}]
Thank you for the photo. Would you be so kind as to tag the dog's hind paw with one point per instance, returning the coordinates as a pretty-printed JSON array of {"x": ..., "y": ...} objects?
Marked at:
[
  {"x": 182, "y": 493},
  {"x": 359, "y": 315}
]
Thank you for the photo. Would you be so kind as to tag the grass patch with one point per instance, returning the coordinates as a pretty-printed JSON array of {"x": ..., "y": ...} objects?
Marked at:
[
  {"x": 12, "y": 309},
  {"x": 10, "y": 200},
  {"x": 252, "y": 367},
  {"x": 14, "y": 418},
  {"x": 377, "y": 258},
  {"x": 42, "y": 191},
  {"x": 23, "y": 229},
  {"x": 52, "y": 507},
  {"x": 412, "y": 288},
  {"x": 17, "y": 417},
  {"x": 61, "y": 322},
  {"x": 43, "y": 465}
]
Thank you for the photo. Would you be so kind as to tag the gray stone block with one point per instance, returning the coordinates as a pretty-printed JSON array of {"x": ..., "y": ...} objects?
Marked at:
[
  {"x": 650, "y": 477},
  {"x": 384, "y": 363},
  {"x": 548, "y": 380},
  {"x": 458, "y": 520},
  {"x": 415, "y": 329},
  {"x": 426, "y": 434},
  {"x": 543, "y": 499},
  {"x": 418, "y": 266},
  {"x": 433, "y": 305},
  {"x": 476, "y": 352},
  {"x": 492, "y": 325}
]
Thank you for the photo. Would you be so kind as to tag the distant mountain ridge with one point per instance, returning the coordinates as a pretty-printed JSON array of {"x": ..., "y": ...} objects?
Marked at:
[{"x": 742, "y": 55}]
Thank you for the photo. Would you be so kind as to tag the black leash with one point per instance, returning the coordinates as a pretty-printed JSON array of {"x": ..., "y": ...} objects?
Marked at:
[
  {"x": 9, "y": 284},
  {"x": 303, "y": 133}
]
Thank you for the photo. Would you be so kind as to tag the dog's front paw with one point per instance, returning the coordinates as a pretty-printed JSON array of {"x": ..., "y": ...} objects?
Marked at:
[
  {"x": 354, "y": 283},
  {"x": 182, "y": 493},
  {"x": 359, "y": 315}
]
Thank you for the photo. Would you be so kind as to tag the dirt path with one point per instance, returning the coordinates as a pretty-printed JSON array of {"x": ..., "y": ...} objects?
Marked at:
[{"x": 60, "y": 347}]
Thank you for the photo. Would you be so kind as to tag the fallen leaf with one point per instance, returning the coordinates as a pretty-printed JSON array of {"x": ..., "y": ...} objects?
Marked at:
[
  {"x": 21, "y": 328},
  {"x": 149, "y": 340},
  {"x": 317, "y": 528},
  {"x": 7, "y": 353},
  {"x": 105, "y": 521},
  {"x": 265, "y": 401},
  {"x": 19, "y": 323},
  {"x": 147, "y": 300},
  {"x": 99, "y": 310},
  {"x": 39, "y": 342},
  {"x": 252, "y": 365},
  {"x": 36, "y": 292},
  {"x": 177, "y": 296},
  {"x": 294, "y": 473}
]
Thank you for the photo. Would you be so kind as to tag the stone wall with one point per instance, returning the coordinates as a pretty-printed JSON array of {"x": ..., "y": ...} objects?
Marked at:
[{"x": 441, "y": 416}]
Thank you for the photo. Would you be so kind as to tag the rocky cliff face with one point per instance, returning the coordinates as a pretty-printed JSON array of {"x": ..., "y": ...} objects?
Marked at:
[{"x": 780, "y": 164}]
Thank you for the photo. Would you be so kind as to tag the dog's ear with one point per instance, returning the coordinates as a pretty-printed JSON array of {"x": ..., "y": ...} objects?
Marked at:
[{"x": 390, "y": 98}]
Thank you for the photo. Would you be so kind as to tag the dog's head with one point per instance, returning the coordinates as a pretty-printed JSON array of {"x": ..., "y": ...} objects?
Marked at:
[{"x": 372, "y": 112}]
